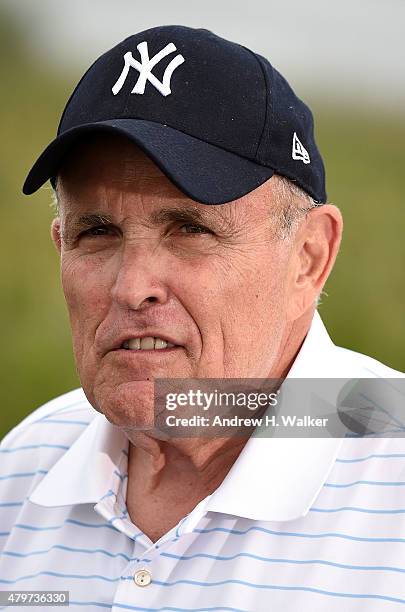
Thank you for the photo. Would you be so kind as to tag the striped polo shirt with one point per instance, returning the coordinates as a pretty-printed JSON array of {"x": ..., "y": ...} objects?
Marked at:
[{"x": 297, "y": 524}]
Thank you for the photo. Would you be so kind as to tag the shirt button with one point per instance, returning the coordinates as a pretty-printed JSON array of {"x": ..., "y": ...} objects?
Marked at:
[{"x": 142, "y": 577}]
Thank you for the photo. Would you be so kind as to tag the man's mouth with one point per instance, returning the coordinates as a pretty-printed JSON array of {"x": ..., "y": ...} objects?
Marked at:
[{"x": 146, "y": 344}]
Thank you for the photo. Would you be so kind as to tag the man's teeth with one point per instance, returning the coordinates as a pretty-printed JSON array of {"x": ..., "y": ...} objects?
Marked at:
[{"x": 146, "y": 343}]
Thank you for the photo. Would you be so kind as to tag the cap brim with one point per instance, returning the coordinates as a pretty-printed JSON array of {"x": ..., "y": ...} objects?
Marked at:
[{"x": 204, "y": 172}]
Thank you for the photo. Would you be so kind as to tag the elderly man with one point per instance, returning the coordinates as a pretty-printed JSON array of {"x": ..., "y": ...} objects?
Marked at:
[{"x": 195, "y": 237}]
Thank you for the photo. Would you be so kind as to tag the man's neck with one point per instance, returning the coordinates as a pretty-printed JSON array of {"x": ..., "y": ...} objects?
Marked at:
[
  {"x": 163, "y": 489},
  {"x": 290, "y": 345}
]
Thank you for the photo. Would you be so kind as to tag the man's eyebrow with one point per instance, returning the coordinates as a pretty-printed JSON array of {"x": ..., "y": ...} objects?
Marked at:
[
  {"x": 74, "y": 223},
  {"x": 87, "y": 219},
  {"x": 188, "y": 213}
]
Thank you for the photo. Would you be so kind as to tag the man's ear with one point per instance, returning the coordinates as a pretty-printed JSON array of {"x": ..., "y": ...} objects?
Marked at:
[
  {"x": 55, "y": 233},
  {"x": 316, "y": 247}
]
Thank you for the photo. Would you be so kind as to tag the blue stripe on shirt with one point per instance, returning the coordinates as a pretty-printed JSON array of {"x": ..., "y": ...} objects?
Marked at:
[
  {"x": 276, "y": 560},
  {"x": 22, "y": 474},
  {"x": 366, "y": 482},
  {"x": 280, "y": 587},
  {"x": 69, "y": 549},
  {"x": 60, "y": 575},
  {"x": 355, "y": 509},
  {"x": 238, "y": 532},
  {"x": 32, "y": 446},
  {"x": 373, "y": 456}
]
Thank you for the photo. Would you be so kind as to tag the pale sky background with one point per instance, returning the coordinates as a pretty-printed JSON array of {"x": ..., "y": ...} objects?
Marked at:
[{"x": 345, "y": 51}]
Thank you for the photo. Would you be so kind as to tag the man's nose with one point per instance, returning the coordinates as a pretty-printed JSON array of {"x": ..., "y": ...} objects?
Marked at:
[{"x": 138, "y": 279}]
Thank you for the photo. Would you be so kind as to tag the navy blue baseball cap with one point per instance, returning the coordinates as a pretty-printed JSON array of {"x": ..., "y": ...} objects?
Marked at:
[{"x": 216, "y": 117}]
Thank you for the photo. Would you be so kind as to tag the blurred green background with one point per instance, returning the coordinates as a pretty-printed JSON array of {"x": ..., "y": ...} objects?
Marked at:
[{"x": 364, "y": 153}]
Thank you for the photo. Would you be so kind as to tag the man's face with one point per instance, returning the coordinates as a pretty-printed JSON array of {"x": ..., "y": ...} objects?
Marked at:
[{"x": 211, "y": 279}]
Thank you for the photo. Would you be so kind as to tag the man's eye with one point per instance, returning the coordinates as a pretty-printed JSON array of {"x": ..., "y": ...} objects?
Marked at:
[
  {"x": 98, "y": 230},
  {"x": 192, "y": 228}
]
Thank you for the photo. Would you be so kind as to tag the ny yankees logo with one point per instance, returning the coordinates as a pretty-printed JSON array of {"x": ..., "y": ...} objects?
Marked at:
[{"x": 145, "y": 68}]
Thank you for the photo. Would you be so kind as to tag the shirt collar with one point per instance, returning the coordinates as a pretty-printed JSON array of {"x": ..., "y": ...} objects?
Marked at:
[
  {"x": 85, "y": 472},
  {"x": 273, "y": 479}
]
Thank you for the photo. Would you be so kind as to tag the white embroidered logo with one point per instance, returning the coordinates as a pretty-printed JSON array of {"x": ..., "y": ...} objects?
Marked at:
[
  {"x": 145, "y": 68},
  {"x": 299, "y": 151}
]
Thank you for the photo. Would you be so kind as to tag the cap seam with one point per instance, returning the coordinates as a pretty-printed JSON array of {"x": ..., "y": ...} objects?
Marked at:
[
  {"x": 269, "y": 120},
  {"x": 267, "y": 102}
]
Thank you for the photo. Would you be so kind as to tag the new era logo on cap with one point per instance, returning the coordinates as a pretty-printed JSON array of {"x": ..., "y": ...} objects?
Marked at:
[
  {"x": 299, "y": 152},
  {"x": 218, "y": 119}
]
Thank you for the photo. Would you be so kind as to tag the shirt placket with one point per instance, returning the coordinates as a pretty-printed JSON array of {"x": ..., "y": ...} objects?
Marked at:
[{"x": 143, "y": 579}]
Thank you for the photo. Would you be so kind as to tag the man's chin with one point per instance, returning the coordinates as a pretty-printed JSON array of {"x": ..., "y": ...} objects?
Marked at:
[{"x": 129, "y": 404}]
